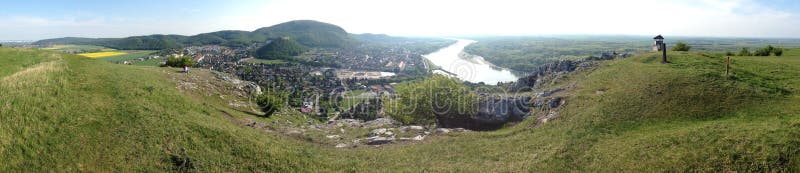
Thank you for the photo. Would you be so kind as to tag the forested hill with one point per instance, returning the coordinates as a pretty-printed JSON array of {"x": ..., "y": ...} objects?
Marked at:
[
  {"x": 306, "y": 32},
  {"x": 281, "y": 48}
]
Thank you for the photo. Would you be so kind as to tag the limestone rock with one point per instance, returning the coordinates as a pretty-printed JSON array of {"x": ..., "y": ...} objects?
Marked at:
[
  {"x": 342, "y": 145},
  {"x": 380, "y": 122},
  {"x": 379, "y": 140},
  {"x": 377, "y": 132},
  {"x": 442, "y": 131}
]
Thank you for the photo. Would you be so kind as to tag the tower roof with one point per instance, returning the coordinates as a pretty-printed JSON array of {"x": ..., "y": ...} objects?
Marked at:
[{"x": 658, "y": 37}]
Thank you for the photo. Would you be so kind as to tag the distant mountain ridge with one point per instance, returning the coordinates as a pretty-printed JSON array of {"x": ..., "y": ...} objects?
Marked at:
[{"x": 306, "y": 32}]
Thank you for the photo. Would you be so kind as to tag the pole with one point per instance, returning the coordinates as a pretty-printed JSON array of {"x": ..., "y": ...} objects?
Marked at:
[
  {"x": 727, "y": 65},
  {"x": 664, "y": 53}
]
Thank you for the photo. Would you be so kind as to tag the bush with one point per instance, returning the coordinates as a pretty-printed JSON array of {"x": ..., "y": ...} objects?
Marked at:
[
  {"x": 745, "y": 52},
  {"x": 764, "y": 51},
  {"x": 179, "y": 61},
  {"x": 269, "y": 103},
  {"x": 729, "y": 53},
  {"x": 426, "y": 101},
  {"x": 681, "y": 46},
  {"x": 778, "y": 51},
  {"x": 761, "y": 52}
]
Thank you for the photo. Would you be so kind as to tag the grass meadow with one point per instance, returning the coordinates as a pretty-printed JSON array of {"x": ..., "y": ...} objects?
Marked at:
[{"x": 70, "y": 113}]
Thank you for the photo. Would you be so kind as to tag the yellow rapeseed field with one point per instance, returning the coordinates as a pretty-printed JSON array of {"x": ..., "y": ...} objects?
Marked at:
[{"x": 102, "y": 54}]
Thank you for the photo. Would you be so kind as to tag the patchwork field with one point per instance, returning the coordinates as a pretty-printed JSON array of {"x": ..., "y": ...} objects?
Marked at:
[
  {"x": 129, "y": 55},
  {"x": 102, "y": 54},
  {"x": 71, "y": 48}
]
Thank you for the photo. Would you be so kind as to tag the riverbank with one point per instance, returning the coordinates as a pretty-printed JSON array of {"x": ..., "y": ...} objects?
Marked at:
[{"x": 456, "y": 62}]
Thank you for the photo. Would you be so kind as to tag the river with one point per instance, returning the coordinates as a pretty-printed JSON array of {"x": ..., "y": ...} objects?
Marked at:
[{"x": 468, "y": 67}]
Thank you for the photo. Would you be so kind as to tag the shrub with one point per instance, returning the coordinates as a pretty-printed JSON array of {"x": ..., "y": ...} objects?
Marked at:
[
  {"x": 745, "y": 52},
  {"x": 764, "y": 51},
  {"x": 269, "y": 103},
  {"x": 778, "y": 51},
  {"x": 761, "y": 52},
  {"x": 729, "y": 53},
  {"x": 426, "y": 101},
  {"x": 681, "y": 46},
  {"x": 179, "y": 61}
]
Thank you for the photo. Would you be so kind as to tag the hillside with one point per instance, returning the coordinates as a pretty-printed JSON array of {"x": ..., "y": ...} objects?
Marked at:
[
  {"x": 524, "y": 53},
  {"x": 309, "y": 33},
  {"x": 70, "y": 113},
  {"x": 280, "y": 49},
  {"x": 306, "y": 32}
]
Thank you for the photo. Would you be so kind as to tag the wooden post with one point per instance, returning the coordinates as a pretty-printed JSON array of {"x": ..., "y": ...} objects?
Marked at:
[
  {"x": 664, "y": 53},
  {"x": 727, "y": 65}
]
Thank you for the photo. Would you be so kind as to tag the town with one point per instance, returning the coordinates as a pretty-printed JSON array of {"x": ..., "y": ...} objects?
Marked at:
[{"x": 328, "y": 82}]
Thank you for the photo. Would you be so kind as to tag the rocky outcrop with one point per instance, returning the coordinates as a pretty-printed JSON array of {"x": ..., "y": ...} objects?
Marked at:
[
  {"x": 380, "y": 122},
  {"x": 543, "y": 73},
  {"x": 492, "y": 113},
  {"x": 547, "y": 72}
]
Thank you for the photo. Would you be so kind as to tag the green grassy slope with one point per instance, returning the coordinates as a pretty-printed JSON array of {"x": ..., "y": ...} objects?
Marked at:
[
  {"x": 65, "y": 112},
  {"x": 687, "y": 115},
  {"x": 71, "y": 113}
]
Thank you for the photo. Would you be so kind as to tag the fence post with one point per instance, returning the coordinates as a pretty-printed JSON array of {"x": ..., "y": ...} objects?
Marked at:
[{"x": 727, "y": 65}]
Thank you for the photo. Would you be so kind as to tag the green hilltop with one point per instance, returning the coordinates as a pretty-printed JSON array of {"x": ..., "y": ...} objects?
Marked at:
[
  {"x": 306, "y": 32},
  {"x": 280, "y": 49},
  {"x": 70, "y": 113}
]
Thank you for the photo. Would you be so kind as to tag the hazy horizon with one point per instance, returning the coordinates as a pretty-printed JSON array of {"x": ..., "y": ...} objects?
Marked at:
[{"x": 35, "y": 20}]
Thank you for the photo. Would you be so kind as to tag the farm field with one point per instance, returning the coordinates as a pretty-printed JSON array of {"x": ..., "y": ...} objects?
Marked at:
[
  {"x": 130, "y": 55},
  {"x": 102, "y": 54},
  {"x": 72, "y": 48}
]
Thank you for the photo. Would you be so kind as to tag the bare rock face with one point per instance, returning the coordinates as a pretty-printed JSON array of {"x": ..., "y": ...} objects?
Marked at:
[
  {"x": 546, "y": 72},
  {"x": 542, "y": 73},
  {"x": 492, "y": 114}
]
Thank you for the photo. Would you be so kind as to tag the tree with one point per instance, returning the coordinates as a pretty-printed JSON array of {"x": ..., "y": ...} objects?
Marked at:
[
  {"x": 778, "y": 51},
  {"x": 729, "y": 53},
  {"x": 429, "y": 100},
  {"x": 764, "y": 51},
  {"x": 745, "y": 52},
  {"x": 681, "y": 46},
  {"x": 280, "y": 49},
  {"x": 179, "y": 61},
  {"x": 269, "y": 103},
  {"x": 761, "y": 52}
]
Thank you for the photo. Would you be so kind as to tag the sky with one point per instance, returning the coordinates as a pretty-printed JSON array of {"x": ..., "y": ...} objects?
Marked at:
[{"x": 40, "y": 19}]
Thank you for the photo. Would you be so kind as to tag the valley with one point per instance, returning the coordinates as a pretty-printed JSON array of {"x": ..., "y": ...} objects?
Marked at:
[{"x": 512, "y": 86}]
